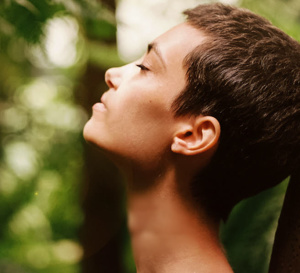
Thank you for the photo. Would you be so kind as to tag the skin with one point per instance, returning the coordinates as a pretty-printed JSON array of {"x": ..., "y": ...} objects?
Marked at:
[
  {"x": 135, "y": 114},
  {"x": 159, "y": 156}
]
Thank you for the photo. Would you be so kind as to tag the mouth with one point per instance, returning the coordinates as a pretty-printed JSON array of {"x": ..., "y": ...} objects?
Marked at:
[
  {"x": 102, "y": 99},
  {"x": 99, "y": 107}
]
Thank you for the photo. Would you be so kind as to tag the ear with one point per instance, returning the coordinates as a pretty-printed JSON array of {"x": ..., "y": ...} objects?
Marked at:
[{"x": 197, "y": 135}]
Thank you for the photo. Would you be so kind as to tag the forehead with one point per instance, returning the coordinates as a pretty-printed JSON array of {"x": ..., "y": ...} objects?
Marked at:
[{"x": 179, "y": 41}]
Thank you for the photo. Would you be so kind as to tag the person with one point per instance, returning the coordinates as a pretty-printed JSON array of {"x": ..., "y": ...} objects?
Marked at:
[{"x": 207, "y": 117}]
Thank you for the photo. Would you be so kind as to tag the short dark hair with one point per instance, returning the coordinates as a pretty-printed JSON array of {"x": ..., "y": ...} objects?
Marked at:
[{"x": 247, "y": 75}]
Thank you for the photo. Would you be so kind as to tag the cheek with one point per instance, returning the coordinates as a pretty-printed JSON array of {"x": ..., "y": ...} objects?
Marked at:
[
  {"x": 140, "y": 125},
  {"x": 142, "y": 112}
]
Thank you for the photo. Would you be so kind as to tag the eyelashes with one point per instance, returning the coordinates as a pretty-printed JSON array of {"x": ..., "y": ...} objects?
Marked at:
[{"x": 142, "y": 67}]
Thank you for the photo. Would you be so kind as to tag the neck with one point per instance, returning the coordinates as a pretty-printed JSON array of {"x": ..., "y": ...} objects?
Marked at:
[{"x": 169, "y": 234}]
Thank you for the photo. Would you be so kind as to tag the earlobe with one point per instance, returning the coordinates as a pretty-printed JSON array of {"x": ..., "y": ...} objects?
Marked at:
[{"x": 201, "y": 134}]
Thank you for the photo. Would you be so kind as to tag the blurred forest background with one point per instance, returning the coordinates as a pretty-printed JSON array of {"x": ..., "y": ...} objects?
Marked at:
[{"x": 61, "y": 202}]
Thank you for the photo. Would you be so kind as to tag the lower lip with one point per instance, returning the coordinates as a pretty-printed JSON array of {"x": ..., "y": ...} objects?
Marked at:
[{"x": 100, "y": 107}]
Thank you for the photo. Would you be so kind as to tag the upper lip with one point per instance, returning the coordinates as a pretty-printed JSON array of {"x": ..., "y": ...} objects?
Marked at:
[{"x": 102, "y": 99}]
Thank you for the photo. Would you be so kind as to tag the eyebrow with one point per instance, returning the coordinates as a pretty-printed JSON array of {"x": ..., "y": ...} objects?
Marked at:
[{"x": 154, "y": 47}]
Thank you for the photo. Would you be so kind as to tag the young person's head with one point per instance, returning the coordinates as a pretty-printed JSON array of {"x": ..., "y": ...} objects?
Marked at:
[
  {"x": 135, "y": 123},
  {"x": 246, "y": 75},
  {"x": 225, "y": 68}
]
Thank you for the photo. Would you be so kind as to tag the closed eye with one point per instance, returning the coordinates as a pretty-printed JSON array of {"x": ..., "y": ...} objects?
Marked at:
[{"x": 142, "y": 67}]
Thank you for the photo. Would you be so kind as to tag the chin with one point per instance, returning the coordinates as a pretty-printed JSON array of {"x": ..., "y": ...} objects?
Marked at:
[
  {"x": 94, "y": 135},
  {"x": 88, "y": 132}
]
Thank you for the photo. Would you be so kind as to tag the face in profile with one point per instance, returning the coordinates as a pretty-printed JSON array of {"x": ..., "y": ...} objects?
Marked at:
[{"x": 134, "y": 119}]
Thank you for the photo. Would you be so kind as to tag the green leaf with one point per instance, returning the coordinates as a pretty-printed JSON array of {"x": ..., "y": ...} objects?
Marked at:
[{"x": 28, "y": 17}]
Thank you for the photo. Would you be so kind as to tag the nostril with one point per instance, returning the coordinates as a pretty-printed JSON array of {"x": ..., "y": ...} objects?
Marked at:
[
  {"x": 109, "y": 83},
  {"x": 110, "y": 76}
]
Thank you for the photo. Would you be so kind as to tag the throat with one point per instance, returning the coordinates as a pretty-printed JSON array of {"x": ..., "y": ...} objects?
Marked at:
[{"x": 168, "y": 234}]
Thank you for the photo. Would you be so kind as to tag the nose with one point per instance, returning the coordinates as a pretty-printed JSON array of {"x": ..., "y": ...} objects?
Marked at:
[{"x": 113, "y": 77}]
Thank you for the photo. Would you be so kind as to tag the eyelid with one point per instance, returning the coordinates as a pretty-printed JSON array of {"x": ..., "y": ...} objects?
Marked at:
[{"x": 142, "y": 67}]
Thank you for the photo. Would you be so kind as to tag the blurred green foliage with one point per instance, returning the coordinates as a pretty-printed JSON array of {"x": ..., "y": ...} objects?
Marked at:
[
  {"x": 41, "y": 123},
  {"x": 29, "y": 17},
  {"x": 284, "y": 14},
  {"x": 248, "y": 235}
]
